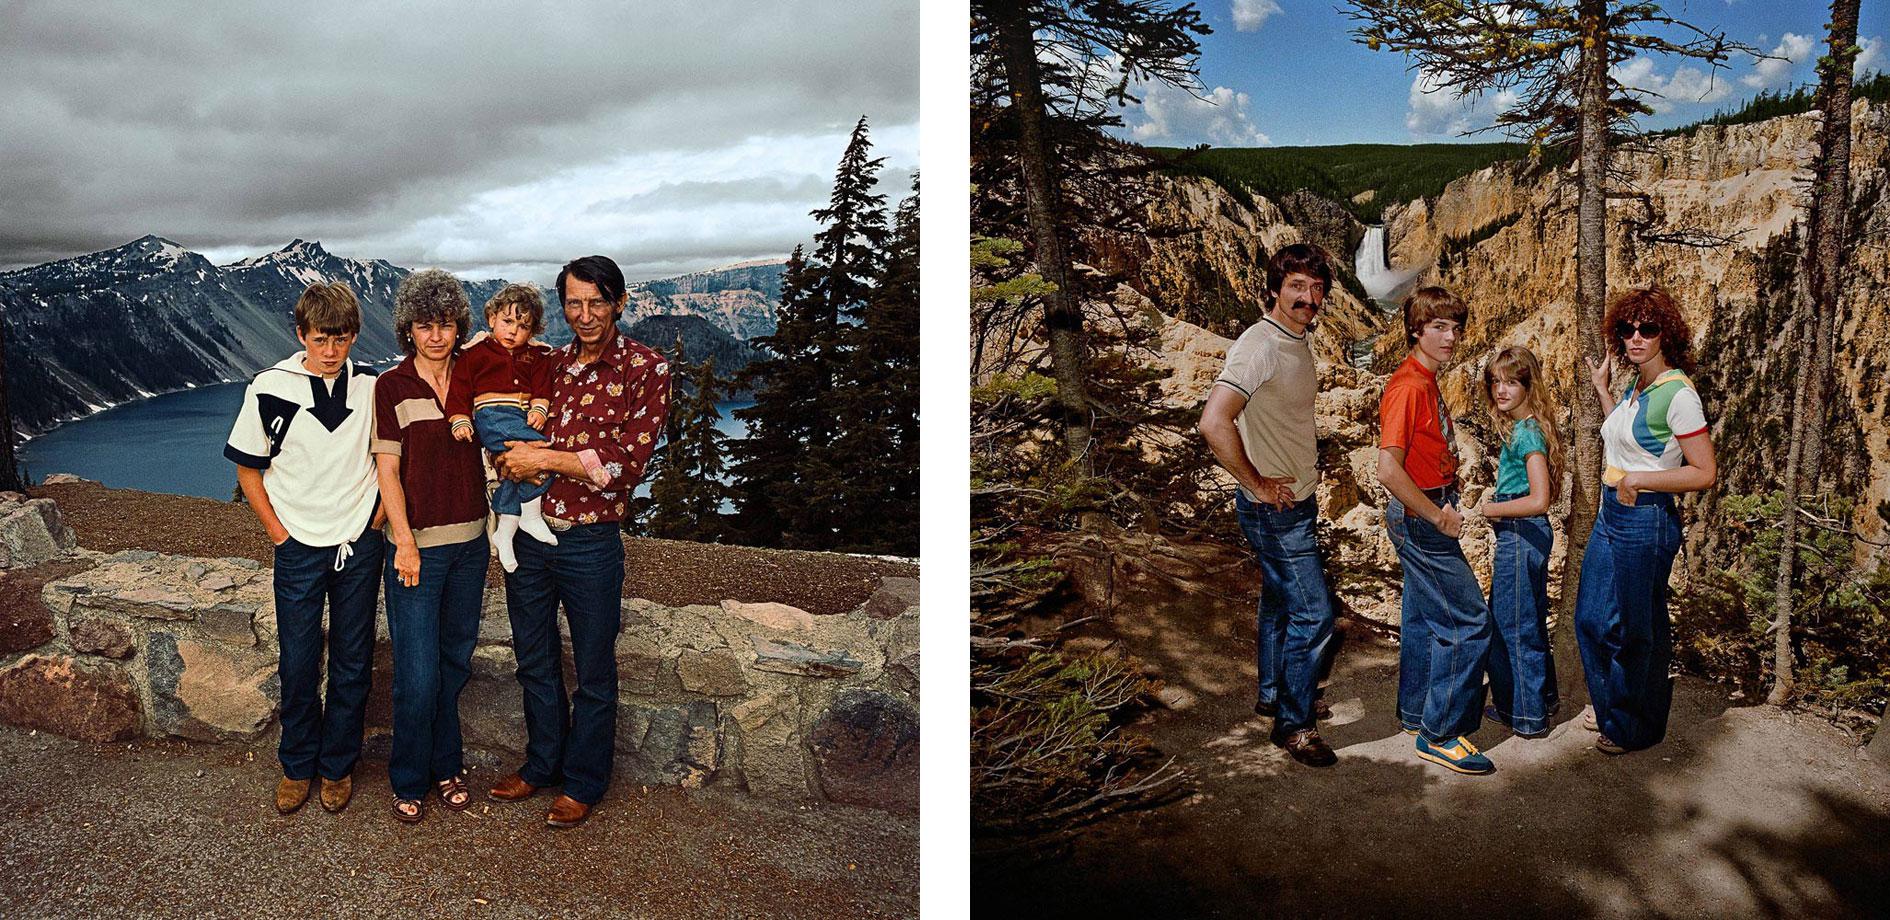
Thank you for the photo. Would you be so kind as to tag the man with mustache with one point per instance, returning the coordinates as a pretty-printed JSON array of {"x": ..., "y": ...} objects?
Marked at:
[
  {"x": 608, "y": 398},
  {"x": 1259, "y": 422}
]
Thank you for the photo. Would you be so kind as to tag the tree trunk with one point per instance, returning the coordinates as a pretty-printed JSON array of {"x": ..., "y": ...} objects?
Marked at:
[
  {"x": 10, "y": 478},
  {"x": 1829, "y": 227},
  {"x": 1591, "y": 294},
  {"x": 1062, "y": 314}
]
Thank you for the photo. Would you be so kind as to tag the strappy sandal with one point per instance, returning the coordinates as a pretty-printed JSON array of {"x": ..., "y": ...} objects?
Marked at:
[
  {"x": 406, "y": 816},
  {"x": 455, "y": 794}
]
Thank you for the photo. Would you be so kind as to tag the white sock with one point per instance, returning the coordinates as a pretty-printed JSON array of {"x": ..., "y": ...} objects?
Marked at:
[
  {"x": 531, "y": 519},
  {"x": 502, "y": 541}
]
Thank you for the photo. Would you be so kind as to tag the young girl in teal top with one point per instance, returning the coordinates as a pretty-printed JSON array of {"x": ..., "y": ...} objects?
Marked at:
[{"x": 1528, "y": 480}]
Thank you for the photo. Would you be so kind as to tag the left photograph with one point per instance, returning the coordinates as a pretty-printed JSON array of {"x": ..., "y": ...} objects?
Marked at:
[{"x": 445, "y": 452}]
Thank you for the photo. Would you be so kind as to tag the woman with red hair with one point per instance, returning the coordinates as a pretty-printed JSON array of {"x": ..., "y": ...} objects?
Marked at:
[{"x": 1657, "y": 446}]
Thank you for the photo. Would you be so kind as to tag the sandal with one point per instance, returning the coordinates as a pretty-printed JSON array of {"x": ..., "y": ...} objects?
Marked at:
[
  {"x": 409, "y": 811},
  {"x": 455, "y": 794}
]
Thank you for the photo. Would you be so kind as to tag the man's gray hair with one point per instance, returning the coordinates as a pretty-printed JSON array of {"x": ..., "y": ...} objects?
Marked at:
[{"x": 430, "y": 295}]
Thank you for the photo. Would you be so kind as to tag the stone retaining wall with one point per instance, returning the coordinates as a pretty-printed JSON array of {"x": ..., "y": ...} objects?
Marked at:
[{"x": 763, "y": 697}]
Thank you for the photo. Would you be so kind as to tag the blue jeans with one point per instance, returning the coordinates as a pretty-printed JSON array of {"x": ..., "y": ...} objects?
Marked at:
[
  {"x": 318, "y": 738},
  {"x": 1621, "y": 616},
  {"x": 434, "y": 626},
  {"x": 1445, "y": 632},
  {"x": 496, "y": 425},
  {"x": 1522, "y": 670},
  {"x": 584, "y": 572},
  {"x": 1295, "y": 616}
]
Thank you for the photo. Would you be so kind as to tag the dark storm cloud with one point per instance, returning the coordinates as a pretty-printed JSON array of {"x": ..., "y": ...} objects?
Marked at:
[{"x": 266, "y": 121}]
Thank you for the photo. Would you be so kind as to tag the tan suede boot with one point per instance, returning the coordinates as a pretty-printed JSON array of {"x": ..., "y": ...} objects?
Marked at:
[
  {"x": 290, "y": 794},
  {"x": 337, "y": 792}
]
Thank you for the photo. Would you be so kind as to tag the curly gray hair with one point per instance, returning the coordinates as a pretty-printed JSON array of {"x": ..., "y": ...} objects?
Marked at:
[{"x": 430, "y": 295}]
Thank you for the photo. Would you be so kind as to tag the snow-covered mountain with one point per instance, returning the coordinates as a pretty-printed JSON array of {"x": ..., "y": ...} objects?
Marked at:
[{"x": 151, "y": 316}]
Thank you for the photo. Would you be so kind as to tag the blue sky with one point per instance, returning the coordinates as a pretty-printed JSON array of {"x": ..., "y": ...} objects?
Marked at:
[{"x": 1287, "y": 72}]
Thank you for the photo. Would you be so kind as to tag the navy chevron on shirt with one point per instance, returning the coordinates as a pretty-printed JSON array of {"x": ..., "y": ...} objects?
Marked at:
[{"x": 309, "y": 436}]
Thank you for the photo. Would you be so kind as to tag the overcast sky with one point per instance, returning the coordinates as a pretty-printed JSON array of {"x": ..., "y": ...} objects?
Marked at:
[{"x": 669, "y": 136}]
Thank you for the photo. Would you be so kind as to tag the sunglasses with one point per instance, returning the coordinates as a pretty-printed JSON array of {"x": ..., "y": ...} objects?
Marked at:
[{"x": 1627, "y": 330}]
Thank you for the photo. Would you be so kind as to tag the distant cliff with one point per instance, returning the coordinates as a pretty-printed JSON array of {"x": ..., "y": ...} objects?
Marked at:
[{"x": 151, "y": 316}]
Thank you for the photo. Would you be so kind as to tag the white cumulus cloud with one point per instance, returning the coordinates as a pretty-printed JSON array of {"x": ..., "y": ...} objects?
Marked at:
[
  {"x": 1438, "y": 110},
  {"x": 1870, "y": 59},
  {"x": 1250, "y": 15},
  {"x": 1792, "y": 51},
  {"x": 1173, "y": 115},
  {"x": 1687, "y": 85}
]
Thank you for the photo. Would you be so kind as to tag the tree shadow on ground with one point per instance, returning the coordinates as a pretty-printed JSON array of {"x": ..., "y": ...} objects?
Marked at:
[{"x": 1738, "y": 813}]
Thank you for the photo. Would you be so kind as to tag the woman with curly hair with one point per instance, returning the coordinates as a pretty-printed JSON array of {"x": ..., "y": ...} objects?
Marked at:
[
  {"x": 1657, "y": 446},
  {"x": 433, "y": 487}
]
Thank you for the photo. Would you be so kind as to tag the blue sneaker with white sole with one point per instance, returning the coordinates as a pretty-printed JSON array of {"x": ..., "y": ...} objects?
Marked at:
[{"x": 1457, "y": 754}]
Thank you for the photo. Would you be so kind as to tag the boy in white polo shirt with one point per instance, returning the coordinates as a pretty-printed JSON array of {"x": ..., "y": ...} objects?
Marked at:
[{"x": 300, "y": 444}]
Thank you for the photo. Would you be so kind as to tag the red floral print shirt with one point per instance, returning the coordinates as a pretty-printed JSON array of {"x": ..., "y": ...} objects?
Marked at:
[{"x": 610, "y": 413}]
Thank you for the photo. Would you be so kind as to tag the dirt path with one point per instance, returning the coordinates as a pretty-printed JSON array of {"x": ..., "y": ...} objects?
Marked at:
[
  {"x": 1741, "y": 812},
  {"x": 168, "y": 829}
]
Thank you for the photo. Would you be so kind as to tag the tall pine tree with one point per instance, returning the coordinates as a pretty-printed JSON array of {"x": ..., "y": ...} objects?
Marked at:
[
  {"x": 794, "y": 476},
  {"x": 767, "y": 460},
  {"x": 879, "y": 403},
  {"x": 687, "y": 493}
]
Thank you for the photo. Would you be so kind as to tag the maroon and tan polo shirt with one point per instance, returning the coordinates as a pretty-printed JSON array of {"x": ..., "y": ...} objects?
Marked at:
[
  {"x": 443, "y": 479},
  {"x": 610, "y": 413}
]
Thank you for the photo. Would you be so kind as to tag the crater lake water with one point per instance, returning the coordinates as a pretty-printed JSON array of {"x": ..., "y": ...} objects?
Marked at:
[{"x": 174, "y": 443}]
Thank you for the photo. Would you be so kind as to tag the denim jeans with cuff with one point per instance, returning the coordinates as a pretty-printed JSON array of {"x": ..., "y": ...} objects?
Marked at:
[
  {"x": 1444, "y": 636},
  {"x": 584, "y": 573},
  {"x": 1295, "y": 615},
  {"x": 434, "y": 626},
  {"x": 1522, "y": 669},
  {"x": 1621, "y": 623}
]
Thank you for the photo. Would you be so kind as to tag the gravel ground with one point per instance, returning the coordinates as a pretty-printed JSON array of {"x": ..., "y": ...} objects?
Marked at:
[
  {"x": 670, "y": 572},
  {"x": 171, "y": 829}
]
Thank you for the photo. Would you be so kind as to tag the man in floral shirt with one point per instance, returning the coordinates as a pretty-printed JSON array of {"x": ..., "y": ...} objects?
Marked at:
[{"x": 608, "y": 398}]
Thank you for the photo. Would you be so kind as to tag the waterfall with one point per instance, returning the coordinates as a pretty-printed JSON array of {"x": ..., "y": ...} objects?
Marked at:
[{"x": 1369, "y": 264}]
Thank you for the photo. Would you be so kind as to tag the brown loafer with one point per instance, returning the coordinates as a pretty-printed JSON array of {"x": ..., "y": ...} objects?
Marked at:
[
  {"x": 336, "y": 793},
  {"x": 512, "y": 788},
  {"x": 567, "y": 812},
  {"x": 290, "y": 794}
]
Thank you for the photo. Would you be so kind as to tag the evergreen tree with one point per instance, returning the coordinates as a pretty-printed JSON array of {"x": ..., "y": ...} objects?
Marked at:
[
  {"x": 795, "y": 476},
  {"x": 687, "y": 492},
  {"x": 1043, "y": 59},
  {"x": 880, "y": 402},
  {"x": 666, "y": 509},
  {"x": 783, "y": 383},
  {"x": 703, "y": 454}
]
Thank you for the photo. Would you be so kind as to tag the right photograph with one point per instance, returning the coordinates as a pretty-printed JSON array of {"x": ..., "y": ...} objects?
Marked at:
[{"x": 1429, "y": 455}]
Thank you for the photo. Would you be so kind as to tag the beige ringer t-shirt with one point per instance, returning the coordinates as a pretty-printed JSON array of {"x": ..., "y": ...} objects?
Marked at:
[{"x": 1274, "y": 369}]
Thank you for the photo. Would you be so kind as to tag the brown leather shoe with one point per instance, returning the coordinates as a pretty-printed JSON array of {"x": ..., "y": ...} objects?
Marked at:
[
  {"x": 290, "y": 794},
  {"x": 567, "y": 812},
  {"x": 512, "y": 788},
  {"x": 336, "y": 793},
  {"x": 1308, "y": 748}
]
